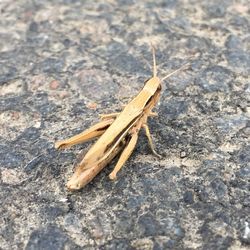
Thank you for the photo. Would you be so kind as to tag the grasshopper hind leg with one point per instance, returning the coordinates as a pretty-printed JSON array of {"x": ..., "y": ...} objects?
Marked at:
[
  {"x": 94, "y": 131},
  {"x": 125, "y": 155}
]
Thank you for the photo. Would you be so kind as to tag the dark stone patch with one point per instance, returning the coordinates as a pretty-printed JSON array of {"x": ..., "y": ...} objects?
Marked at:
[
  {"x": 41, "y": 103},
  {"x": 154, "y": 185},
  {"x": 135, "y": 202},
  {"x": 242, "y": 156},
  {"x": 29, "y": 134},
  {"x": 42, "y": 146},
  {"x": 126, "y": 2},
  {"x": 116, "y": 244},
  {"x": 72, "y": 245},
  {"x": 67, "y": 42},
  {"x": 76, "y": 66},
  {"x": 33, "y": 164},
  {"x": 179, "y": 23},
  {"x": 230, "y": 124},
  {"x": 7, "y": 73},
  {"x": 72, "y": 223},
  {"x": 103, "y": 88},
  {"x": 147, "y": 225},
  {"x": 239, "y": 60},
  {"x": 173, "y": 109},
  {"x": 124, "y": 226},
  {"x": 188, "y": 197},
  {"x": 169, "y": 3},
  {"x": 37, "y": 40},
  {"x": 18, "y": 59},
  {"x": 216, "y": 10},
  {"x": 49, "y": 238},
  {"x": 208, "y": 107},
  {"x": 10, "y": 157},
  {"x": 51, "y": 212},
  {"x": 233, "y": 43},
  {"x": 79, "y": 108},
  {"x": 169, "y": 226},
  {"x": 219, "y": 188},
  {"x": 50, "y": 66},
  {"x": 224, "y": 242},
  {"x": 211, "y": 169},
  {"x": 169, "y": 138},
  {"x": 196, "y": 43},
  {"x": 244, "y": 172},
  {"x": 177, "y": 84},
  {"x": 113, "y": 50},
  {"x": 7, "y": 229},
  {"x": 165, "y": 244},
  {"x": 12, "y": 103},
  {"x": 240, "y": 22},
  {"x": 127, "y": 63},
  {"x": 215, "y": 78},
  {"x": 33, "y": 27}
]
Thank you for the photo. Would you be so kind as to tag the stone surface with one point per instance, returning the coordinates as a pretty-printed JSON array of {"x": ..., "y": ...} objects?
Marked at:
[{"x": 64, "y": 62}]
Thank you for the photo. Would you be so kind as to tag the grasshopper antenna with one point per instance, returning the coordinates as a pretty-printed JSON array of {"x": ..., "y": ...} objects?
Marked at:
[
  {"x": 154, "y": 61},
  {"x": 186, "y": 65},
  {"x": 175, "y": 71}
]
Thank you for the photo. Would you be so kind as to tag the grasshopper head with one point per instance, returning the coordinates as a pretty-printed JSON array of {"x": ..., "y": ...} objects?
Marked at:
[
  {"x": 80, "y": 178},
  {"x": 152, "y": 85}
]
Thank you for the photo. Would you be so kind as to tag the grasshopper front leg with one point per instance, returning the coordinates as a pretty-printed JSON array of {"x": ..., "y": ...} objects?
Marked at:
[
  {"x": 151, "y": 144},
  {"x": 94, "y": 131},
  {"x": 108, "y": 116},
  {"x": 114, "y": 115},
  {"x": 125, "y": 155}
]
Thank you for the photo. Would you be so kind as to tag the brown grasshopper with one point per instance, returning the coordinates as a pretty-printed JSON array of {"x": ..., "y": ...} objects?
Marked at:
[{"x": 117, "y": 131}]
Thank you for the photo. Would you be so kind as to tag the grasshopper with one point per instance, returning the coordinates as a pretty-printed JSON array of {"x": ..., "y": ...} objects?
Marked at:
[{"x": 118, "y": 132}]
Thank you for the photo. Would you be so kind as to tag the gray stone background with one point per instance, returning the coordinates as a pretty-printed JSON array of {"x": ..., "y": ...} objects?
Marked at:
[{"x": 63, "y": 62}]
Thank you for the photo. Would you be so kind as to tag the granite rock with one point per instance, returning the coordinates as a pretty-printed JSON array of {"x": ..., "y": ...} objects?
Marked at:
[{"x": 64, "y": 62}]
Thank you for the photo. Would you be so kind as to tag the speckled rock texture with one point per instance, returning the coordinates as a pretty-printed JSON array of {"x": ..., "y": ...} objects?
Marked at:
[{"x": 63, "y": 62}]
